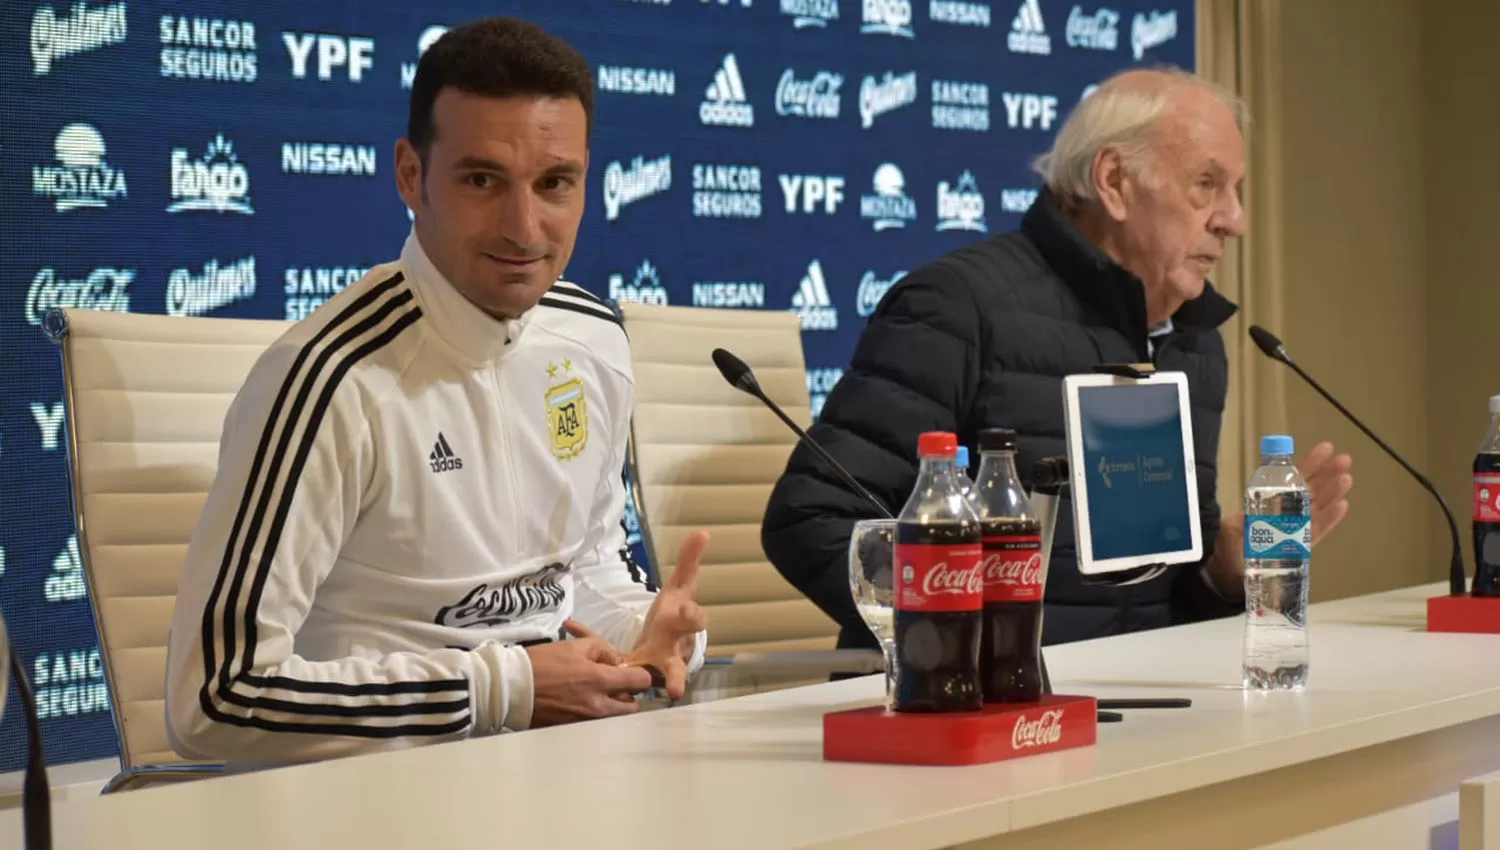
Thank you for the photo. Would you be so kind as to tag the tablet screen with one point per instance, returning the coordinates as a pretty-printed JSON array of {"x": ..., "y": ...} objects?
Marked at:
[{"x": 1135, "y": 472}]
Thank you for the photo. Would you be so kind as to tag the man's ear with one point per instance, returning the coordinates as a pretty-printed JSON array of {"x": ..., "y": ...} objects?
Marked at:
[
  {"x": 409, "y": 174},
  {"x": 1110, "y": 176}
]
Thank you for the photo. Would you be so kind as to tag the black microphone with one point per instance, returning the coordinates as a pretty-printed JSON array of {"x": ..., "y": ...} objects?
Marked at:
[
  {"x": 36, "y": 799},
  {"x": 1273, "y": 349},
  {"x": 739, "y": 376}
]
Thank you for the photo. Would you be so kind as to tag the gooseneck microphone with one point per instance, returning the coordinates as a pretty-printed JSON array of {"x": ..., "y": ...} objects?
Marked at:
[
  {"x": 36, "y": 799},
  {"x": 1272, "y": 347},
  {"x": 739, "y": 376}
]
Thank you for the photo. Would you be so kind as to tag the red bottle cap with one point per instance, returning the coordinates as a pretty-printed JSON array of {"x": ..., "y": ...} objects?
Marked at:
[{"x": 941, "y": 443}]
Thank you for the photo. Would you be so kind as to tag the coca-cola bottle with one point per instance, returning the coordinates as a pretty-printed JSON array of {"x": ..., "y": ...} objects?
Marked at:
[
  {"x": 939, "y": 592},
  {"x": 1487, "y": 509},
  {"x": 1014, "y": 578}
]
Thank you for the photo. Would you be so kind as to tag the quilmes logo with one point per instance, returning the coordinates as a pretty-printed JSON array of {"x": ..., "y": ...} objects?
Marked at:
[
  {"x": 103, "y": 289},
  {"x": 729, "y": 294},
  {"x": 959, "y": 13},
  {"x": 887, "y": 17},
  {"x": 1099, "y": 31},
  {"x": 215, "y": 182},
  {"x": 332, "y": 158},
  {"x": 812, "y": 303},
  {"x": 645, "y": 288},
  {"x": 817, "y": 97},
  {"x": 960, "y": 105},
  {"x": 810, "y": 13},
  {"x": 890, "y": 206},
  {"x": 961, "y": 207},
  {"x": 624, "y": 185},
  {"x": 81, "y": 179},
  {"x": 879, "y": 96},
  {"x": 871, "y": 290},
  {"x": 211, "y": 49},
  {"x": 820, "y": 382},
  {"x": 726, "y": 191},
  {"x": 1028, "y": 32},
  {"x": 621, "y": 79},
  {"x": 190, "y": 294},
  {"x": 1017, "y": 200},
  {"x": 1026, "y": 111},
  {"x": 1148, "y": 31},
  {"x": 424, "y": 41},
  {"x": 724, "y": 102},
  {"x": 86, "y": 29}
]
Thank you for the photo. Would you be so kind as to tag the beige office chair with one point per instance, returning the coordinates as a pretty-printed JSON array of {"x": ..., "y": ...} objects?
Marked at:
[
  {"x": 145, "y": 403},
  {"x": 705, "y": 455}
]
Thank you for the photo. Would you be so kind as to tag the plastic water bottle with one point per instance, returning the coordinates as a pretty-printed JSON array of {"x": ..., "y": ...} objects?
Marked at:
[{"x": 1278, "y": 548}]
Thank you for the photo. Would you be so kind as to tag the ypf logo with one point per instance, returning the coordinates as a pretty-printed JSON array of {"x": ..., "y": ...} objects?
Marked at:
[
  {"x": 812, "y": 193},
  {"x": 1025, "y": 111},
  {"x": 81, "y": 179},
  {"x": 354, "y": 54},
  {"x": 216, "y": 182}
]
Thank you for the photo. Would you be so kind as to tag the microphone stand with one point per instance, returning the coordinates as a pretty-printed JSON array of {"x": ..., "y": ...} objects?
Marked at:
[{"x": 36, "y": 800}]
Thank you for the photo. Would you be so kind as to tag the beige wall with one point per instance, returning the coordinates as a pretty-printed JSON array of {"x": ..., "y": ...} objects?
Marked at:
[
  {"x": 1461, "y": 73},
  {"x": 1386, "y": 223}
]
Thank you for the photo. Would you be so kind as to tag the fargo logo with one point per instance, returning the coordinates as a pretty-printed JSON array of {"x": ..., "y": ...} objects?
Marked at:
[
  {"x": 54, "y": 38},
  {"x": 215, "y": 182},
  {"x": 961, "y": 206},
  {"x": 644, "y": 288},
  {"x": 354, "y": 54},
  {"x": 81, "y": 179}
]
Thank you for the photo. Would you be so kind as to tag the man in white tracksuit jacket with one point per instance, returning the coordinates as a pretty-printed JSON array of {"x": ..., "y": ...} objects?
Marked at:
[{"x": 420, "y": 488}]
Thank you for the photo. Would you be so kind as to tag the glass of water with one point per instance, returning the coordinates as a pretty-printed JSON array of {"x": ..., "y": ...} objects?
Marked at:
[{"x": 872, "y": 550}]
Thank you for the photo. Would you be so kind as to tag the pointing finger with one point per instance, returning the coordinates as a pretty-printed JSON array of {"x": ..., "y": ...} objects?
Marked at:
[{"x": 685, "y": 577}]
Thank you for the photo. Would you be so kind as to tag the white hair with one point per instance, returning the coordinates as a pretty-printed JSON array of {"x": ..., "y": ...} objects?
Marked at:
[{"x": 1121, "y": 113}]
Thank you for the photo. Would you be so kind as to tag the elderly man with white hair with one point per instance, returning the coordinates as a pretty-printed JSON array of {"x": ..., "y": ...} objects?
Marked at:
[{"x": 1110, "y": 265}]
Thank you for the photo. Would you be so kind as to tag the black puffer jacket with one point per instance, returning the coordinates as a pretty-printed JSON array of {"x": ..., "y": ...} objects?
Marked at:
[{"x": 982, "y": 338}]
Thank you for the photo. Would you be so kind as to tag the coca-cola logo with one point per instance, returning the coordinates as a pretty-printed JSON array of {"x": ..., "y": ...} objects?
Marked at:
[
  {"x": 998, "y": 568},
  {"x": 1046, "y": 729},
  {"x": 942, "y": 578}
]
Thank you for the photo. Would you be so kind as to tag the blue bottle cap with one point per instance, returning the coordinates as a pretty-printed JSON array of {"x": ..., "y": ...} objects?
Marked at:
[
  {"x": 1276, "y": 444},
  {"x": 963, "y": 457}
]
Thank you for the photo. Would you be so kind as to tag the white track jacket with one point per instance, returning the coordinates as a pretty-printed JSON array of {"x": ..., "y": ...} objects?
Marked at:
[{"x": 408, "y": 491}]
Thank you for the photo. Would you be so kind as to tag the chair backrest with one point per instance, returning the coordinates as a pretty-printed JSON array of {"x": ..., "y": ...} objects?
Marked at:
[
  {"x": 145, "y": 402},
  {"x": 705, "y": 455}
]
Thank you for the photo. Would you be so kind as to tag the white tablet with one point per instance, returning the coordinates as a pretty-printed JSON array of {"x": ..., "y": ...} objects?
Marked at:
[{"x": 1132, "y": 472}]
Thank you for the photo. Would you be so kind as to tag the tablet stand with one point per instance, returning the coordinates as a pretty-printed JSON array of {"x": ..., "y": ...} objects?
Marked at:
[{"x": 1049, "y": 482}]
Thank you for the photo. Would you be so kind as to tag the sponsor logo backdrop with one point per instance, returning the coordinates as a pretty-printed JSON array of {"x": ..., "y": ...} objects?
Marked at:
[{"x": 233, "y": 158}]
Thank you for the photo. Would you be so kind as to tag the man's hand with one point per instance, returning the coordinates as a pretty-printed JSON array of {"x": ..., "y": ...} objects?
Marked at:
[
  {"x": 670, "y": 633},
  {"x": 580, "y": 679},
  {"x": 1328, "y": 480}
]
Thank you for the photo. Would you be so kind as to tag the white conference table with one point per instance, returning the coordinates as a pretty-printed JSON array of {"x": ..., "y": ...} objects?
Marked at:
[{"x": 1392, "y": 716}]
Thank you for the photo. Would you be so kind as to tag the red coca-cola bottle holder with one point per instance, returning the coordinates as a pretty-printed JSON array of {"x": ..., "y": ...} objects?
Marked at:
[{"x": 996, "y": 733}]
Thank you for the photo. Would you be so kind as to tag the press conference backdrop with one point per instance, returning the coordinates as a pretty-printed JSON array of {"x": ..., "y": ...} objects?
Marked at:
[{"x": 233, "y": 158}]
